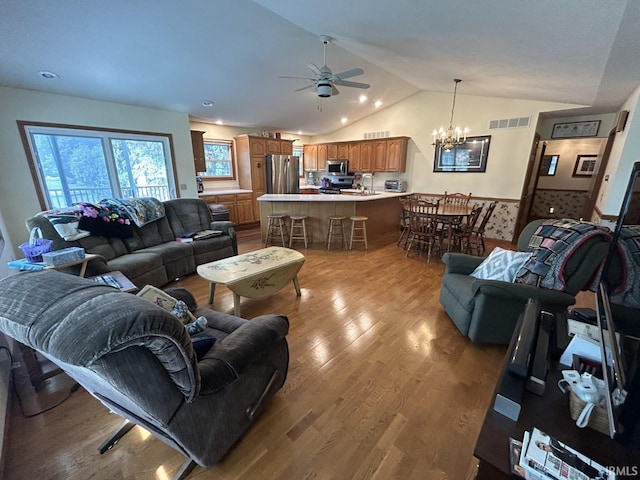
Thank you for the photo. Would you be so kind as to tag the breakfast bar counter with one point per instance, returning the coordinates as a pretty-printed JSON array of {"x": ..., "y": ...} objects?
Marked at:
[{"x": 382, "y": 208}]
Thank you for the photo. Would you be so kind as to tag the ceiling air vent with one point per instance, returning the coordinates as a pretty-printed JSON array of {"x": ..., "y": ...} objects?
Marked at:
[
  {"x": 509, "y": 123},
  {"x": 373, "y": 135}
]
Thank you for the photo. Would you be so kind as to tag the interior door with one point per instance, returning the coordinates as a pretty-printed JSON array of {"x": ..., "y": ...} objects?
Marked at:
[{"x": 529, "y": 187}]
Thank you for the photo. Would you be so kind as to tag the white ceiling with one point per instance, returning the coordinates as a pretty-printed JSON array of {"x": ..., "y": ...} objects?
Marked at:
[{"x": 173, "y": 55}]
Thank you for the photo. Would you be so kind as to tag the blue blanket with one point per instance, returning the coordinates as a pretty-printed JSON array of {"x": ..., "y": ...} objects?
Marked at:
[{"x": 140, "y": 210}]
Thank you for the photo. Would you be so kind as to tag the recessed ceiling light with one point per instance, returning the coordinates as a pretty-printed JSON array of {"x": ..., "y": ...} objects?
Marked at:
[
  {"x": 363, "y": 98},
  {"x": 343, "y": 119},
  {"x": 299, "y": 132},
  {"x": 48, "y": 75},
  {"x": 377, "y": 104},
  {"x": 219, "y": 122},
  {"x": 207, "y": 103}
]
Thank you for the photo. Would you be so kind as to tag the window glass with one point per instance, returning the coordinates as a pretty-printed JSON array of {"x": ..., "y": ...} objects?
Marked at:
[
  {"x": 76, "y": 165},
  {"x": 218, "y": 159},
  {"x": 297, "y": 152}
]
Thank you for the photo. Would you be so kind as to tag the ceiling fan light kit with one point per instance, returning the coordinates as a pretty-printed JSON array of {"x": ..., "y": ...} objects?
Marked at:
[
  {"x": 324, "y": 81},
  {"x": 450, "y": 137}
]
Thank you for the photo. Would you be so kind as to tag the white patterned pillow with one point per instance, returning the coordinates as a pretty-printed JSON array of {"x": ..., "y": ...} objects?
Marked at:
[{"x": 501, "y": 264}]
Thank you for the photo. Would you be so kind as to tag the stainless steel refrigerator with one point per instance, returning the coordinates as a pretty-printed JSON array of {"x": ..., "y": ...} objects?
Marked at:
[{"x": 282, "y": 174}]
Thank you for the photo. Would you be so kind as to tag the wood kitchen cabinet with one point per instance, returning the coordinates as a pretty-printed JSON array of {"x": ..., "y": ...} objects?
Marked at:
[
  {"x": 250, "y": 154},
  {"x": 379, "y": 155},
  {"x": 366, "y": 157},
  {"x": 354, "y": 157},
  {"x": 310, "y": 156},
  {"x": 396, "y": 154},
  {"x": 322, "y": 156},
  {"x": 197, "y": 144}
]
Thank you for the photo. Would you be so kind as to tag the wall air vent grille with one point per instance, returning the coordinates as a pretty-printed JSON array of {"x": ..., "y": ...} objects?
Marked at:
[
  {"x": 509, "y": 123},
  {"x": 374, "y": 135}
]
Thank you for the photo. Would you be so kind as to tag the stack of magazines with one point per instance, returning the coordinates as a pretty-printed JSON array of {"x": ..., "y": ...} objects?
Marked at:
[{"x": 542, "y": 457}]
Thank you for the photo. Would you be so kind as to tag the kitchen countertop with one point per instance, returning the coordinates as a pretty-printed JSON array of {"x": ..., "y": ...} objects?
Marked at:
[
  {"x": 348, "y": 195},
  {"x": 229, "y": 191}
]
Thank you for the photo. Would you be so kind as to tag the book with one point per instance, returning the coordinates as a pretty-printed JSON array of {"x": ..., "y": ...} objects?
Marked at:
[
  {"x": 549, "y": 458},
  {"x": 184, "y": 239},
  {"x": 162, "y": 299},
  {"x": 207, "y": 234},
  {"x": 515, "y": 452},
  {"x": 24, "y": 264}
]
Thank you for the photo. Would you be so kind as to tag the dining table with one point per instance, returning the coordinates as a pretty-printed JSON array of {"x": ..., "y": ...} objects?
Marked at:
[{"x": 451, "y": 215}]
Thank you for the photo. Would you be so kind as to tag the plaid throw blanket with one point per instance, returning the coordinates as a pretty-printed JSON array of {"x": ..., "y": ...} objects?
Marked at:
[
  {"x": 140, "y": 210},
  {"x": 553, "y": 243},
  {"x": 628, "y": 291}
]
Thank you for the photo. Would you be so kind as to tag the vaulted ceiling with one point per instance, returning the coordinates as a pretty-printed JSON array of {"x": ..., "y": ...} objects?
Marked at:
[{"x": 175, "y": 55}]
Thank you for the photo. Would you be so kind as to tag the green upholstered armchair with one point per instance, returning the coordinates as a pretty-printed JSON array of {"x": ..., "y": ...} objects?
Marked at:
[{"x": 487, "y": 310}]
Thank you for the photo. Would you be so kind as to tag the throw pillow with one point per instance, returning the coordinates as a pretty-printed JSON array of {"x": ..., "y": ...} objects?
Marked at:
[{"x": 501, "y": 265}]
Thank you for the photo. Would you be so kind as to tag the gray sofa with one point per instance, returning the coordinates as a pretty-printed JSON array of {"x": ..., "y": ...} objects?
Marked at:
[
  {"x": 140, "y": 361},
  {"x": 151, "y": 255}
]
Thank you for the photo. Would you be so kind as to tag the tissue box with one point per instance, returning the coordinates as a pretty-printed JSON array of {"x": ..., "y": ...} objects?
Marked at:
[{"x": 60, "y": 257}]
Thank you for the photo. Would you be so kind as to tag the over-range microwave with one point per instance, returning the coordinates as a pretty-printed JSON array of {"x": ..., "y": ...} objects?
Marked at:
[{"x": 337, "y": 167}]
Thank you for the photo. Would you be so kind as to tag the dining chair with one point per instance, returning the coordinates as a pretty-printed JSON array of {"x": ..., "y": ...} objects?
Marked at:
[
  {"x": 456, "y": 198},
  {"x": 477, "y": 236},
  {"x": 423, "y": 226},
  {"x": 461, "y": 234},
  {"x": 405, "y": 203}
]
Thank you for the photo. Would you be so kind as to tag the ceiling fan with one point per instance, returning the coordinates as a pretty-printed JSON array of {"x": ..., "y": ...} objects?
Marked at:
[{"x": 325, "y": 80}]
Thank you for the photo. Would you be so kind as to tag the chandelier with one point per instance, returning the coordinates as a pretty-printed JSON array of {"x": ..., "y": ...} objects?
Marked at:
[{"x": 450, "y": 137}]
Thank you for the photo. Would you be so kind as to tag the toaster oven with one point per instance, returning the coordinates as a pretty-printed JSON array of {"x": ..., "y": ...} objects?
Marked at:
[{"x": 395, "y": 186}]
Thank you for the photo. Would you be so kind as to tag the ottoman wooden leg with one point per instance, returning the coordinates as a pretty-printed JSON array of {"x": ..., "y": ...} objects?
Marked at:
[{"x": 212, "y": 290}]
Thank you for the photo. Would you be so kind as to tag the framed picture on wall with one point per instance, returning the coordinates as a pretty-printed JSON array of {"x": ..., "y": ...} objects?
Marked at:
[
  {"x": 548, "y": 165},
  {"x": 470, "y": 156},
  {"x": 585, "y": 165},
  {"x": 576, "y": 129}
]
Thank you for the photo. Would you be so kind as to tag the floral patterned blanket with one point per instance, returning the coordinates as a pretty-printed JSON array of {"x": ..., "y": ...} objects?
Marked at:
[{"x": 140, "y": 210}]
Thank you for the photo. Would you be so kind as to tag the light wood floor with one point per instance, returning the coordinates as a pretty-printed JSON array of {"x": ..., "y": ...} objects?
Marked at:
[{"x": 381, "y": 385}]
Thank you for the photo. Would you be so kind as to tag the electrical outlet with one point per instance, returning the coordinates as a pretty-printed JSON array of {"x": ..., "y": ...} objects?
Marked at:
[{"x": 183, "y": 186}]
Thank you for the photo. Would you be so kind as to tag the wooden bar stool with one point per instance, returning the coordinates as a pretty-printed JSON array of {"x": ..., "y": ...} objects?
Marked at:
[
  {"x": 336, "y": 230},
  {"x": 299, "y": 223},
  {"x": 362, "y": 231},
  {"x": 276, "y": 226}
]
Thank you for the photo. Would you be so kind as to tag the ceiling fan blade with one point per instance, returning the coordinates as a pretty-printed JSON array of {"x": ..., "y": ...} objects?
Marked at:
[
  {"x": 347, "y": 83},
  {"x": 300, "y": 78},
  {"x": 349, "y": 73},
  {"x": 313, "y": 68},
  {"x": 306, "y": 88},
  {"x": 334, "y": 90}
]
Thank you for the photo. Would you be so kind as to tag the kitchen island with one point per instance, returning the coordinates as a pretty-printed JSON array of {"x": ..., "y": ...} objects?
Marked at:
[{"x": 382, "y": 208}]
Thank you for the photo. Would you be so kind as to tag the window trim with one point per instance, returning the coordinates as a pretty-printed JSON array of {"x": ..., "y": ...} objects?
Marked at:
[
  {"x": 33, "y": 168},
  {"x": 232, "y": 160}
]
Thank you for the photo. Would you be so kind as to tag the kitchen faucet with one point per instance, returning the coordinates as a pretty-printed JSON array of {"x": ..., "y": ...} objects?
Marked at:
[{"x": 368, "y": 175}]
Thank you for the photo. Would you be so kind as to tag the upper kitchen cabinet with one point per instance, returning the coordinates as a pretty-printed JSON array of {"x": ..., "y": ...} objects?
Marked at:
[
  {"x": 332, "y": 152},
  {"x": 396, "y": 154},
  {"x": 257, "y": 146},
  {"x": 379, "y": 155},
  {"x": 310, "y": 157},
  {"x": 197, "y": 144},
  {"x": 366, "y": 156},
  {"x": 343, "y": 151},
  {"x": 273, "y": 146},
  {"x": 322, "y": 156},
  {"x": 354, "y": 157}
]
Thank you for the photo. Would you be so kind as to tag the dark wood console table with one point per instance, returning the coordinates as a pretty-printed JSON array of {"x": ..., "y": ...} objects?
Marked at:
[{"x": 550, "y": 413}]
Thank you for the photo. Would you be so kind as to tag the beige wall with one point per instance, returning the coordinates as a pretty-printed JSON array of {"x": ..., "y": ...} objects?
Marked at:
[
  {"x": 18, "y": 198},
  {"x": 568, "y": 151},
  {"x": 417, "y": 117}
]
